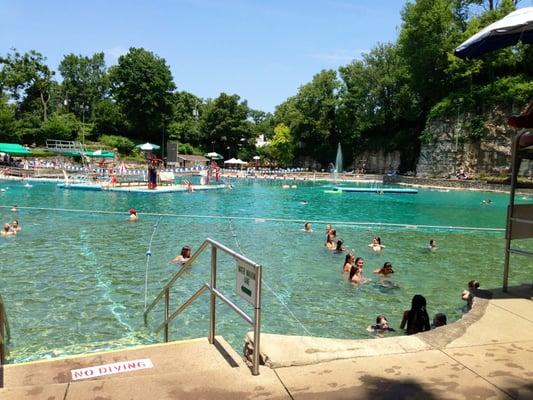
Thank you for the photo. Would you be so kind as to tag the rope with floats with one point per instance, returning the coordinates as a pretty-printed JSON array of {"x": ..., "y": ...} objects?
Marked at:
[
  {"x": 267, "y": 219},
  {"x": 148, "y": 255},
  {"x": 234, "y": 234}
]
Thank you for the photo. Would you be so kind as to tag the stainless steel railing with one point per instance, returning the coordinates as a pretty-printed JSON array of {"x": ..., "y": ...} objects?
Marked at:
[
  {"x": 4, "y": 331},
  {"x": 214, "y": 293}
]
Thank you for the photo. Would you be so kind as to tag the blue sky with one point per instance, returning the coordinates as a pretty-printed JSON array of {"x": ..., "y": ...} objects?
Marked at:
[{"x": 262, "y": 50}]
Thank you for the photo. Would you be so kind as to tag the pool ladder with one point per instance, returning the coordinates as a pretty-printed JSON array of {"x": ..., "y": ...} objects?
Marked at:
[{"x": 214, "y": 294}]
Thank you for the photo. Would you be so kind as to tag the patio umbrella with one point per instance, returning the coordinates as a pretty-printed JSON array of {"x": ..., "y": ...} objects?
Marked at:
[
  {"x": 231, "y": 161},
  {"x": 148, "y": 146},
  {"x": 214, "y": 156},
  {"x": 513, "y": 28},
  {"x": 257, "y": 158}
]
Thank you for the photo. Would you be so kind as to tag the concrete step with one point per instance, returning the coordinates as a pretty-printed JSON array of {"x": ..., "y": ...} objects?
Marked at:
[
  {"x": 191, "y": 369},
  {"x": 175, "y": 356}
]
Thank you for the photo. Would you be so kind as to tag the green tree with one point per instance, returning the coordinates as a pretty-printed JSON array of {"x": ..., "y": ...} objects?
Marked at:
[
  {"x": 8, "y": 122},
  {"x": 311, "y": 117},
  {"x": 26, "y": 77},
  {"x": 108, "y": 118},
  {"x": 224, "y": 125},
  {"x": 142, "y": 85},
  {"x": 85, "y": 82},
  {"x": 184, "y": 125},
  {"x": 62, "y": 127},
  {"x": 430, "y": 31},
  {"x": 378, "y": 109},
  {"x": 281, "y": 146}
]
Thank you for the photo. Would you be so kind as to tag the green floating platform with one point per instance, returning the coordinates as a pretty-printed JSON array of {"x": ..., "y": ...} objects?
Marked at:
[{"x": 374, "y": 190}]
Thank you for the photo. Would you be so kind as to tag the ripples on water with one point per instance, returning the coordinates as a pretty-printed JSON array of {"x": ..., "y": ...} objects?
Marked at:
[{"x": 74, "y": 282}]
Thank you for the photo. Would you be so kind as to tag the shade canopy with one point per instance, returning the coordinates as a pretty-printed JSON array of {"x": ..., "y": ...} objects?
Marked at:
[
  {"x": 148, "y": 146},
  {"x": 513, "y": 28},
  {"x": 257, "y": 158},
  {"x": 235, "y": 161},
  {"x": 214, "y": 156},
  {"x": 14, "y": 149}
]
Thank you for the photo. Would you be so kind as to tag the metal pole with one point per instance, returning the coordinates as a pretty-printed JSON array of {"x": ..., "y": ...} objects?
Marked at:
[
  {"x": 167, "y": 301},
  {"x": 515, "y": 165},
  {"x": 213, "y": 295},
  {"x": 257, "y": 322}
]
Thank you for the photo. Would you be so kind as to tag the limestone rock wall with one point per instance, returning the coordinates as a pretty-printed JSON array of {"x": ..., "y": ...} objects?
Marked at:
[
  {"x": 452, "y": 147},
  {"x": 377, "y": 162}
]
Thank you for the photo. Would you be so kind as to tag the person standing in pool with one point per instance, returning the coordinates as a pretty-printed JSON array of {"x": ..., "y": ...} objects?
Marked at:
[
  {"x": 416, "y": 319},
  {"x": 308, "y": 227},
  {"x": 376, "y": 244},
  {"x": 15, "y": 227},
  {"x": 356, "y": 272},
  {"x": 385, "y": 270},
  {"x": 6, "y": 231},
  {"x": 183, "y": 257},
  {"x": 432, "y": 245},
  {"x": 349, "y": 262}
]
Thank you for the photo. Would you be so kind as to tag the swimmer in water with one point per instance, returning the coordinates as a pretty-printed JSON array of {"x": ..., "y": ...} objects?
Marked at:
[
  {"x": 385, "y": 270},
  {"x": 382, "y": 325},
  {"x": 133, "y": 215},
  {"x": 308, "y": 227},
  {"x": 356, "y": 272},
  {"x": 15, "y": 227},
  {"x": 486, "y": 202},
  {"x": 6, "y": 231},
  {"x": 183, "y": 257},
  {"x": 432, "y": 245},
  {"x": 329, "y": 243},
  {"x": 339, "y": 248},
  {"x": 349, "y": 262},
  {"x": 14, "y": 208},
  {"x": 376, "y": 244}
]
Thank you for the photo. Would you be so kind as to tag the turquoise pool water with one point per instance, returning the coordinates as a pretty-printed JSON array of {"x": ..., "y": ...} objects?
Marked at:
[{"x": 73, "y": 281}]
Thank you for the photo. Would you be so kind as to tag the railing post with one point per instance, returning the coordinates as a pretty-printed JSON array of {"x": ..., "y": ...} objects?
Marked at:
[
  {"x": 257, "y": 323},
  {"x": 213, "y": 295},
  {"x": 167, "y": 313}
]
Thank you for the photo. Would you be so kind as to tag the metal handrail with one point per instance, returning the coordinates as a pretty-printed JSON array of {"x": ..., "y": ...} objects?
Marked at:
[
  {"x": 5, "y": 332},
  {"x": 175, "y": 278},
  {"x": 214, "y": 293}
]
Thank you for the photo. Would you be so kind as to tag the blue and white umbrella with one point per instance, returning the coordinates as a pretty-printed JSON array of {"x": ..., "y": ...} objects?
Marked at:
[{"x": 508, "y": 31}]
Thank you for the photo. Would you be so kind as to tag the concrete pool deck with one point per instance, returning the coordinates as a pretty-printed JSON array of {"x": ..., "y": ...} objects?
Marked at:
[{"x": 488, "y": 354}]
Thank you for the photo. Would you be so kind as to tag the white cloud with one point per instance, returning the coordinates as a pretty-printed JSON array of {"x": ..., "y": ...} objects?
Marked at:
[{"x": 338, "y": 55}]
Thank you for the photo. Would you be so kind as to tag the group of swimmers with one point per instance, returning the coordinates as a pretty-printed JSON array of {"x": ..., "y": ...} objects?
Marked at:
[
  {"x": 10, "y": 229},
  {"x": 414, "y": 320}
]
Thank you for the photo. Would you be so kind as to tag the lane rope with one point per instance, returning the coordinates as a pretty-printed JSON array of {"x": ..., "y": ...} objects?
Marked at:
[
  {"x": 234, "y": 234},
  {"x": 268, "y": 219},
  {"x": 148, "y": 255}
]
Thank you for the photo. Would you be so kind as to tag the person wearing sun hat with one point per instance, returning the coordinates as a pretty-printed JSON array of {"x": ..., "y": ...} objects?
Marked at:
[{"x": 133, "y": 214}]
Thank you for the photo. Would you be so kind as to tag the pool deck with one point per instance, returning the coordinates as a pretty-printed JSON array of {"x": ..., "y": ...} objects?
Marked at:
[{"x": 488, "y": 354}]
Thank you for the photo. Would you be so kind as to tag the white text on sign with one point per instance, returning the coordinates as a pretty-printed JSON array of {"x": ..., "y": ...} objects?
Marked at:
[{"x": 108, "y": 369}]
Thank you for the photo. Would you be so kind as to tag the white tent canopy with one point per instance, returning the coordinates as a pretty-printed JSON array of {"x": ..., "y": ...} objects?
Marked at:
[
  {"x": 235, "y": 161},
  {"x": 214, "y": 156},
  {"x": 148, "y": 146}
]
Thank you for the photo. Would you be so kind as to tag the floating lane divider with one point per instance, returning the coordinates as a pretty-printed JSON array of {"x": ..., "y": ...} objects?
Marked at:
[
  {"x": 148, "y": 255},
  {"x": 266, "y": 219}
]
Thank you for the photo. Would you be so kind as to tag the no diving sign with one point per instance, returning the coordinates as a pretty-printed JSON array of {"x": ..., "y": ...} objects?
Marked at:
[
  {"x": 109, "y": 369},
  {"x": 245, "y": 282}
]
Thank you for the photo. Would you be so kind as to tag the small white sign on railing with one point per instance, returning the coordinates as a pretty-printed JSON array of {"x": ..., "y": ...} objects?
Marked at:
[
  {"x": 245, "y": 282},
  {"x": 108, "y": 369}
]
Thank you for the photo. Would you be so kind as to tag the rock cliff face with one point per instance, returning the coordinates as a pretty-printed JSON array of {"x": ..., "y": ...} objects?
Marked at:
[{"x": 480, "y": 148}]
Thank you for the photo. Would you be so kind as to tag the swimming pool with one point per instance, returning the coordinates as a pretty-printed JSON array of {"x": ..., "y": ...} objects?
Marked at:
[{"x": 73, "y": 281}]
